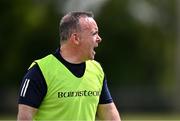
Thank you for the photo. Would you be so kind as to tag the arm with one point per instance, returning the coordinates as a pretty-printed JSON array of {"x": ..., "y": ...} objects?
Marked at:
[
  {"x": 25, "y": 113},
  {"x": 32, "y": 91},
  {"x": 106, "y": 108},
  {"x": 108, "y": 112}
]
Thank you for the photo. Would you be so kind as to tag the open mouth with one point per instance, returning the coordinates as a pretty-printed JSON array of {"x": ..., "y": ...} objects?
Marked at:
[{"x": 94, "y": 50}]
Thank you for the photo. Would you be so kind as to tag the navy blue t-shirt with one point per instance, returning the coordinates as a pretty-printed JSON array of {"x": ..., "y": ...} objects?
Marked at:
[{"x": 34, "y": 88}]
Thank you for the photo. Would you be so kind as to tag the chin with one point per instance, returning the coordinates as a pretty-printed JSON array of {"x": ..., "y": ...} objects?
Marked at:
[{"x": 92, "y": 57}]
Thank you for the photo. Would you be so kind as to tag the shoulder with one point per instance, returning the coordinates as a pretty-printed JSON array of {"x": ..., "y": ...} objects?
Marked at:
[
  {"x": 95, "y": 67},
  {"x": 35, "y": 62},
  {"x": 34, "y": 73},
  {"x": 95, "y": 64},
  {"x": 33, "y": 70},
  {"x": 45, "y": 59},
  {"x": 45, "y": 62}
]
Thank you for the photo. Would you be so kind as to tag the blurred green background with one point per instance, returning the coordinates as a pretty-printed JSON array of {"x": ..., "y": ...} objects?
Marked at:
[{"x": 140, "y": 51}]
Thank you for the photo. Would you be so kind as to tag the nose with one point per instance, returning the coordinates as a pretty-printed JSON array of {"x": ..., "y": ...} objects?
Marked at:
[{"x": 99, "y": 39}]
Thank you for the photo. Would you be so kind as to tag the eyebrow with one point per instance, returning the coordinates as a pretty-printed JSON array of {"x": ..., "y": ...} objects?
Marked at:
[{"x": 95, "y": 31}]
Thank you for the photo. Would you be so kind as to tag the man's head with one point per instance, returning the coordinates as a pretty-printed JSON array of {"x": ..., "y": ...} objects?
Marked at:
[
  {"x": 79, "y": 32},
  {"x": 70, "y": 24}
]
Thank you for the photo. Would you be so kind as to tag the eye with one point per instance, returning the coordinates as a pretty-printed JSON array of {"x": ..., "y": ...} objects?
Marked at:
[{"x": 94, "y": 33}]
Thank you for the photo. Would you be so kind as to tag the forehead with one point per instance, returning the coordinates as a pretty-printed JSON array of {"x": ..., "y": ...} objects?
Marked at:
[{"x": 88, "y": 23}]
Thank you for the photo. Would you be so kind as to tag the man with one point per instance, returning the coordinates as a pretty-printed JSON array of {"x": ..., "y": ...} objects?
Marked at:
[{"x": 69, "y": 84}]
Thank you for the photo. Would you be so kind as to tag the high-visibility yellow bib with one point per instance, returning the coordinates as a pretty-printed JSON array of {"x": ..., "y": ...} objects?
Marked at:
[{"x": 69, "y": 97}]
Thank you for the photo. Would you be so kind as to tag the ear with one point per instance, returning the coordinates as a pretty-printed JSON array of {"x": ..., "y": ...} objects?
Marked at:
[{"x": 75, "y": 38}]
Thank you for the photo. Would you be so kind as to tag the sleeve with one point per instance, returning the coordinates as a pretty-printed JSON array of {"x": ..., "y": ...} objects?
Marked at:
[
  {"x": 33, "y": 88},
  {"x": 105, "y": 96}
]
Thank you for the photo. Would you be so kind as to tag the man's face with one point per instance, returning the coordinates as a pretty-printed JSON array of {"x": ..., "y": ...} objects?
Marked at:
[{"x": 89, "y": 38}]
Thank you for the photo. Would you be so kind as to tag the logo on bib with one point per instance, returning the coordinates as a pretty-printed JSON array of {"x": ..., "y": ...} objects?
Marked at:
[{"x": 78, "y": 93}]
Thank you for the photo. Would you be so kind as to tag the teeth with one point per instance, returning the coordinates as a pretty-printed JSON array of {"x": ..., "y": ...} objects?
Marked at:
[{"x": 94, "y": 52}]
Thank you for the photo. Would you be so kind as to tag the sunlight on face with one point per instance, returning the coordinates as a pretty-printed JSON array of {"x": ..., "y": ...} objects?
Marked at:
[{"x": 89, "y": 38}]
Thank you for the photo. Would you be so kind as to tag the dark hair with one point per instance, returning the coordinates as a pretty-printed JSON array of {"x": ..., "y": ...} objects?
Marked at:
[{"x": 70, "y": 23}]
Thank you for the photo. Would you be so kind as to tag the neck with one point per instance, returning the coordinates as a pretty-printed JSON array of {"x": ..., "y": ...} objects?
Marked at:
[{"x": 70, "y": 54}]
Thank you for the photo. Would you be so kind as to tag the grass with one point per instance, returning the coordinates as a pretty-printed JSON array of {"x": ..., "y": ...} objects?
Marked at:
[
  {"x": 150, "y": 117},
  {"x": 126, "y": 117}
]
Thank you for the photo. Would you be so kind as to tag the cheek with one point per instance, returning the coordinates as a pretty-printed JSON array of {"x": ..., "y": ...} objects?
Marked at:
[
  {"x": 89, "y": 41},
  {"x": 86, "y": 45},
  {"x": 92, "y": 39}
]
